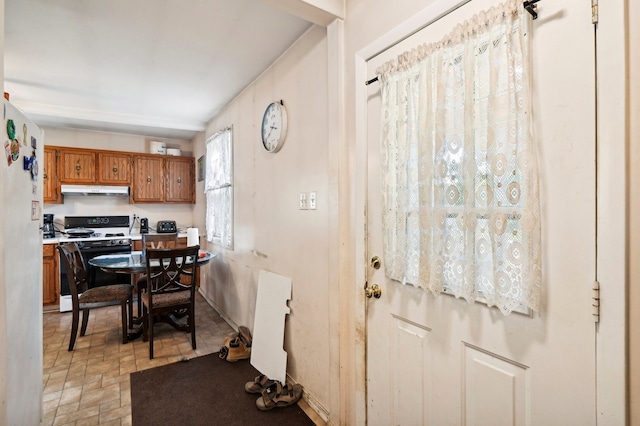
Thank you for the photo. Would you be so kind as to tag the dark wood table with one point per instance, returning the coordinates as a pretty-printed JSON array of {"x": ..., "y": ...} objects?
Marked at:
[{"x": 135, "y": 263}]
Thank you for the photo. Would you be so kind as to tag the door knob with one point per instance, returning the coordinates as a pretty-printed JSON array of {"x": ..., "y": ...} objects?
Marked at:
[{"x": 373, "y": 291}]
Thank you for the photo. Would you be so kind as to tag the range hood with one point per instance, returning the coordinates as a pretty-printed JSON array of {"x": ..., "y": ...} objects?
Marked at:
[{"x": 94, "y": 190}]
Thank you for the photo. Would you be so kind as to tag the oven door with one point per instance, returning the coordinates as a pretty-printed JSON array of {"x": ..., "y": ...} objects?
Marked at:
[{"x": 97, "y": 277}]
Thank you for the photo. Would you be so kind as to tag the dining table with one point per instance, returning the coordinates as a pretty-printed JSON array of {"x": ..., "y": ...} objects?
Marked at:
[{"x": 135, "y": 263}]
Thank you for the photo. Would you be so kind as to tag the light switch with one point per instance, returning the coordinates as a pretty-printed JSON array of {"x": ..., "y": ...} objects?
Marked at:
[
  {"x": 312, "y": 200},
  {"x": 303, "y": 201}
]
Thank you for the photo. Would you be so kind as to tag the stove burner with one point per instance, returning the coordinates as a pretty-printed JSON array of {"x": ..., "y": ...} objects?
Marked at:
[{"x": 81, "y": 235}]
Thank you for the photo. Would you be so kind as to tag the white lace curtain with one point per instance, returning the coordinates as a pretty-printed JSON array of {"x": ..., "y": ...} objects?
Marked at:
[
  {"x": 218, "y": 188},
  {"x": 459, "y": 171}
]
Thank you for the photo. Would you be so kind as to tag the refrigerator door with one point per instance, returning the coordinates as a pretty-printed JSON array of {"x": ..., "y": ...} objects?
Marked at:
[{"x": 21, "y": 266}]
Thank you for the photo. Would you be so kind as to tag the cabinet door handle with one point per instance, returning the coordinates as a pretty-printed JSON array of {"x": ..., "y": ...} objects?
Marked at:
[
  {"x": 148, "y": 179},
  {"x": 179, "y": 180},
  {"x": 115, "y": 170},
  {"x": 44, "y": 176},
  {"x": 78, "y": 167}
]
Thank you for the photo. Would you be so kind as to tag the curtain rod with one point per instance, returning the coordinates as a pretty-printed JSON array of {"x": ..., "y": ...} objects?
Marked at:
[{"x": 529, "y": 6}]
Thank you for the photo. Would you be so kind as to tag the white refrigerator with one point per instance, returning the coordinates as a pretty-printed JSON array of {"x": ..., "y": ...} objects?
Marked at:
[{"x": 21, "y": 341}]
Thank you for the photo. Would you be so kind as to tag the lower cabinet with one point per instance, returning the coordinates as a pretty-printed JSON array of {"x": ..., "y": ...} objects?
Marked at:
[{"x": 49, "y": 274}]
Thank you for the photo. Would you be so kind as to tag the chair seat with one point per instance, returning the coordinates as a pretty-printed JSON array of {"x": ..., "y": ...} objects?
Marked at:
[
  {"x": 112, "y": 293},
  {"x": 163, "y": 300}
]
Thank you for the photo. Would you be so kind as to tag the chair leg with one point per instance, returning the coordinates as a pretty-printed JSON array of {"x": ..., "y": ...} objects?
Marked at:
[
  {"x": 85, "y": 321},
  {"x": 123, "y": 314},
  {"x": 130, "y": 309},
  {"x": 139, "y": 301},
  {"x": 74, "y": 329},
  {"x": 192, "y": 326},
  {"x": 150, "y": 320},
  {"x": 145, "y": 324}
]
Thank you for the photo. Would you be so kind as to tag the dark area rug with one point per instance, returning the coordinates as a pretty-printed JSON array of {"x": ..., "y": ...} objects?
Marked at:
[{"x": 203, "y": 391}]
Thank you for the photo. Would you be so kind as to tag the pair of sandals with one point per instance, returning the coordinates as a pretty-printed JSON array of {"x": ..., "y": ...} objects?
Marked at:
[{"x": 272, "y": 393}]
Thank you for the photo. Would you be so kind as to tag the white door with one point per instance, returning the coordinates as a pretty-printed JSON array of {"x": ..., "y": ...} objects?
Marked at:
[{"x": 441, "y": 361}]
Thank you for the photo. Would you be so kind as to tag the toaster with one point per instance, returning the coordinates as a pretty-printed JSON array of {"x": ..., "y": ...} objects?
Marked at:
[{"x": 166, "y": 227}]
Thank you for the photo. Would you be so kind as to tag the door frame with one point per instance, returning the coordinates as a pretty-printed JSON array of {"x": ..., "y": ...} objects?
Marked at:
[{"x": 611, "y": 140}]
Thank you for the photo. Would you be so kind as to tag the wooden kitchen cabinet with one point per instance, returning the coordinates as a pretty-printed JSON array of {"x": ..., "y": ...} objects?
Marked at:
[
  {"x": 77, "y": 166},
  {"x": 51, "y": 188},
  {"x": 163, "y": 179},
  {"x": 114, "y": 168},
  {"x": 152, "y": 178},
  {"x": 137, "y": 244},
  {"x": 179, "y": 180},
  {"x": 148, "y": 179},
  {"x": 49, "y": 274}
]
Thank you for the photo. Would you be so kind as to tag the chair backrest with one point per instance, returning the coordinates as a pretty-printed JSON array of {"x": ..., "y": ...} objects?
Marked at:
[
  {"x": 159, "y": 241},
  {"x": 73, "y": 263},
  {"x": 168, "y": 268}
]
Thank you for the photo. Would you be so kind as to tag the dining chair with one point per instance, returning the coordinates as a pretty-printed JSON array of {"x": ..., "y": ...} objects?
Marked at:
[
  {"x": 170, "y": 274},
  {"x": 84, "y": 298},
  {"x": 153, "y": 241}
]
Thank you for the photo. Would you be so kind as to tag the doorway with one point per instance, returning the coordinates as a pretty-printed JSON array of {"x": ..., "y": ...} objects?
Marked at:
[{"x": 441, "y": 361}]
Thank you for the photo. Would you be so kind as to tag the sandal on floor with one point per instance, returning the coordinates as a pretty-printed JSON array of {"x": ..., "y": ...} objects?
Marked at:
[
  {"x": 278, "y": 396},
  {"x": 258, "y": 385}
]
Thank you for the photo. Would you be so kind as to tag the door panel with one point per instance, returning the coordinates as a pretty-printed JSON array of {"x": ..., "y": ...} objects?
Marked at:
[{"x": 442, "y": 361}]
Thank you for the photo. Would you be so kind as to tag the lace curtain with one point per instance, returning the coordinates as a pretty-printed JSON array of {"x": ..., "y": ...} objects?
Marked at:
[
  {"x": 459, "y": 172},
  {"x": 218, "y": 188}
]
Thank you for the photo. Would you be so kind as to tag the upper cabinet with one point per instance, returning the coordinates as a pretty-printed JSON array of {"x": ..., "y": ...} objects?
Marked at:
[
  {"x": 180, "y": 180},
  {"x": 51, "y": 191},
  {"x": 148, "y": 179},
  {"x": 152, "y": 178},
  {"x": 114, "y": 168},
  {"x": 77, "y": 166},
  {"x": 163, "y": 179}
]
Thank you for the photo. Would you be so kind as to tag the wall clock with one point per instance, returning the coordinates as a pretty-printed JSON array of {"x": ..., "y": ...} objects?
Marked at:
[{"x": 274, "y": 126}]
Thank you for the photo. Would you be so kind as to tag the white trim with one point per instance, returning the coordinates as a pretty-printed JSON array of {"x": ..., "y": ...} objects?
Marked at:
[
  {"x": 338, "y": 219},
  {"x": 612, "y": 265}
]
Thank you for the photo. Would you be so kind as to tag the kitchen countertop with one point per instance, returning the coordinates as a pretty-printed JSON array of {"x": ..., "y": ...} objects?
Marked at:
[{"x": 133, "y": 236}]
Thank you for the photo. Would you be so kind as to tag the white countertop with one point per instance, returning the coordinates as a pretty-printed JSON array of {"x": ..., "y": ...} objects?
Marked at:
[{"x": 133, "y": 236}]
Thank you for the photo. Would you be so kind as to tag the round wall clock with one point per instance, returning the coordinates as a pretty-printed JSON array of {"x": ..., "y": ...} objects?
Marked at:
[{"x": 274, "y": 126}]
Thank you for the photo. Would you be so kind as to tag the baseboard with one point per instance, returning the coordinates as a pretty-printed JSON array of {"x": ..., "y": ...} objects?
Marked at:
[
  {"x": 312, "y": 403},
  {"x": 218, "y": 310}
]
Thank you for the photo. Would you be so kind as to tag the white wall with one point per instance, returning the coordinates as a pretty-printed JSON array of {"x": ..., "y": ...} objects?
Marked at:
[
  {"x": 271, "y": 232},
  {"x": 100, "y": 206},
  {"x": 3, "y": 263},
  {"x": 634, "y": 214}
]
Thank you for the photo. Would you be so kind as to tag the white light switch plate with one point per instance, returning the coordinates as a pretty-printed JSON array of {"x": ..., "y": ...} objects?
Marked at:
[{"x": 312, "y": 200}]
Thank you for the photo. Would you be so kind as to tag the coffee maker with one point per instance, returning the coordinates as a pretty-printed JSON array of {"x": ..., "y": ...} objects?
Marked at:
[
  {"x": 144, "y": 225},
  {"x": 48, "y": 228}
]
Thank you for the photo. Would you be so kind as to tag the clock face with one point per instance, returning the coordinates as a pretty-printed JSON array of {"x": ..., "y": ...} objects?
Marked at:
[{"x": 274, "y": 127}]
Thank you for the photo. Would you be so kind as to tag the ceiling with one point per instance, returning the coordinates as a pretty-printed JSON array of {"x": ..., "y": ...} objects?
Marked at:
[{"x": 159, "y": 68}]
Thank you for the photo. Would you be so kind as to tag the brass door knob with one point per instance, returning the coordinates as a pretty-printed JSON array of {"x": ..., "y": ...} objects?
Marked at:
[{"x": 373, "y": 291}]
